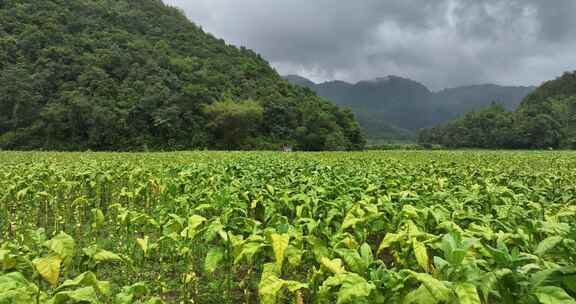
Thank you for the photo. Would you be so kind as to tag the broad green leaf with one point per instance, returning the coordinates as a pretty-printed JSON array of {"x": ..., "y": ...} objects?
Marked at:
[
  {"x": 553, "y": 295},
  {"x": 7, "y": 260},
  {"x": 294, "y": 255},
  {"x": 22, "y": 296},
  {"x": 213, "y": 258},
  {"x": 353, "y": 260},
  {"x": 22, "y": 193},
  {"x": 249, "y": 250},
  {"x": 419, "y": 296},
  {"x": 467, "y": 293},
  {"x": 547, "y": 245},
  {"x": 12, "y": 281},
  {"x": 49, "y": 268},
  {"x": 101, "y": 255},
  {"x": 86, "y": 295},
  {"x": 63, "y": 245},
  {"x": 489, "y": 281},
  {"x": 87, "y": 279},
  {"x": 195, "y": 221},
  {"x": 270, "y": 189},
  {"x": 107, "y": 256},
  {"x": 319, "y": 248},
  {"x": 354, "y": 288},
  {"x": 154, "y": 300},
  {"x": 279, "y": 245},
  {"x": 436, "y": 288},
  {"x": 294, "y": 286},
  {"x": 216, "y": 228},
  {"x": 128, "y": 293},
  {"x": 421, "y": 254},
  {"x": 97, "y": 218},
  {"x": 569, "y": 282},
  {"x": 366, "y": 253},
  {"x": 35, "y": 237}
]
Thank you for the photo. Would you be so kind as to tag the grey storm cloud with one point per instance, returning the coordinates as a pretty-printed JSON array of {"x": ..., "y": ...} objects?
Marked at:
[{"x": 443, "y": 43}]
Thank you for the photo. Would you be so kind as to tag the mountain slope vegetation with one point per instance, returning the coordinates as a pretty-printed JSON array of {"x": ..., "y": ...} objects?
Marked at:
[
  {"x": 395, "y": 108},
  {"x": 546, "y": 118},
  {"x": 136, "y": 74}
]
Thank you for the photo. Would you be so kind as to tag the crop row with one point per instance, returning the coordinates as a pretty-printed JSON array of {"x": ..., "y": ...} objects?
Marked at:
[{"x": 412, "y": 227}]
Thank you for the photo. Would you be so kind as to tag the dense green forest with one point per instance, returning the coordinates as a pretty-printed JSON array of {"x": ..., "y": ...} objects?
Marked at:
[
  {"x": 545, "y": 119},
  {"x": 393, "y": 108},
  {"x": 136, "y": 74}
]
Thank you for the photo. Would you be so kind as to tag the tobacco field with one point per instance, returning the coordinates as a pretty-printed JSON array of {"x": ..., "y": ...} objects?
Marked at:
[{"x": 423, "y": 227}]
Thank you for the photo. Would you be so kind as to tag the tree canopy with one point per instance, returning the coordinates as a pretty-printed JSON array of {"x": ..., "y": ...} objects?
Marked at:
[
  {"x": 545, "y": 119},
  {"x": 128, "y": 74}
]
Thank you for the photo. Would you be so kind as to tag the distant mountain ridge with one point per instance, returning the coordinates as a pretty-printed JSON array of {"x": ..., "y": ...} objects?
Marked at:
[{"x": 394, "y": 107}]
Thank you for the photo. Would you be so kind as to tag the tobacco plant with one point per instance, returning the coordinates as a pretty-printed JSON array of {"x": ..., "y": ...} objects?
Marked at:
[{"x": 213, "y": 227}]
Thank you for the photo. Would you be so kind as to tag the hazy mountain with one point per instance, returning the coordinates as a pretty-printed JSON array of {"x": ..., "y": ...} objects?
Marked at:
[
  {"x": 469, "y": 98},
  {"x": 395, "y": 107}
]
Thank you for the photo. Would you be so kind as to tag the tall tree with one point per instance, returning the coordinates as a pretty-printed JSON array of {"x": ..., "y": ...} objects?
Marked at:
[
  {"x": 233, "y": 122},
  {"x": 125, "y": 74}
]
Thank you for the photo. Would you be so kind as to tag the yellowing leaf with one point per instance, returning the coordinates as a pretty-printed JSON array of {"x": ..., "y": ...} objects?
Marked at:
[
  {"x": 269, "y": 288},
  {"x": 49, "y": 268},
  {"x": 467, "y": 294},
  {"x": 421, "y": 255},
  {"x": 143, "y": 243},
  {"x": 389, "y": 240},
  {"x": 350, "y": 221},
  {"x": 333, "y": 265},
  {"x": 271, "y": 285},
  {"x": 279, "y": 245}
]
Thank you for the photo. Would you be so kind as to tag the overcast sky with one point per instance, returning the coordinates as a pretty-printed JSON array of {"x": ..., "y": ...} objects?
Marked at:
[{"x": 442, "y": 43}]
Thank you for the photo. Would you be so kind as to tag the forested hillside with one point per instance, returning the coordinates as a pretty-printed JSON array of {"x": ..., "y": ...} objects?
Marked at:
[
  {"x": 136, "y": 74},
  {"x": 395, "y": 108},
  {"x": 545, "y": 119}
]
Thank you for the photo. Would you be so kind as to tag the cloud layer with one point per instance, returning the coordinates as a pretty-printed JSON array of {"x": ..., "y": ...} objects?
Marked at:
[{"x": 443, "y": 43}]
